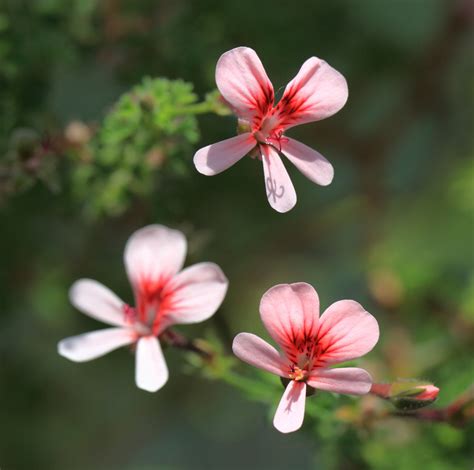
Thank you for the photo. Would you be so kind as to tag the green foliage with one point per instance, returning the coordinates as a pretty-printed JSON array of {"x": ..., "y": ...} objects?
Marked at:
[{"x": 146, "y": 136}]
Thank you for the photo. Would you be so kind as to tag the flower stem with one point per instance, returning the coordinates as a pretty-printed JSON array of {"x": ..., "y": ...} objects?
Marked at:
[
  {"x": 381, "y": 390},
  {"x": 177, "y": 340}
]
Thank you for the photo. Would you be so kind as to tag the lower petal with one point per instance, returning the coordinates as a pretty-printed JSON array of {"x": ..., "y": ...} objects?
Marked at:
[
  {"x": 280, "y": 191},
  {"x": 311, "y": 163},
  {"x": 290, "y": 412},
  {"x": 216, "y": 158},
  {"x": 349, "y": 380},
  {"x": 151, "y": 371},
  {"x": 258, "y": 353},
  {"x": 92, "y": 345}
]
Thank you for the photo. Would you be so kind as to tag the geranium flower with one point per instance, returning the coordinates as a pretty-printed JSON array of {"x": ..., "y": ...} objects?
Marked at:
[
  {"x": 317, "y": 92},
  {"x": 309, "y": 346},
  {"x": 164, "y": 296}
]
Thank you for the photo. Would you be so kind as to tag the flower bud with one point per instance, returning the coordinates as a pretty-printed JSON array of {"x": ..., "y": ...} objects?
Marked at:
[{"x": 408, "y": 395}]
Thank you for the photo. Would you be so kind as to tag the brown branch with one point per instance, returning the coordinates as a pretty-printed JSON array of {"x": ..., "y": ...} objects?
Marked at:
[{"x": 177, "y": 340}]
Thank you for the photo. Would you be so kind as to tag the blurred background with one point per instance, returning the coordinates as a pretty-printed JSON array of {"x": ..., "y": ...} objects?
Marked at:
[{"x": 90, "y": 151}]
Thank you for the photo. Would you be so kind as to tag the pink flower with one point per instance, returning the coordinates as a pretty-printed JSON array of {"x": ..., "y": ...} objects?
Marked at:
[
  {"x": 310, "y": 345},
  {"x": 164, "y": 296},
  {"x": 317, "y": 92}
]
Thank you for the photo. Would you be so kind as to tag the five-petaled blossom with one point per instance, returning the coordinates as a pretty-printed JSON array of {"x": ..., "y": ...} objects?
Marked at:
[
  {"x": 317, "y": 92},
  {"x": 164, "y": 296},
  {"x": 310, "y": 345}
]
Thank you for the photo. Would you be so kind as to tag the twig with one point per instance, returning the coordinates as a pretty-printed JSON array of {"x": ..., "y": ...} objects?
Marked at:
[
  {"x": 177, "y": 340},
  {"x": 458, "y": 413}
]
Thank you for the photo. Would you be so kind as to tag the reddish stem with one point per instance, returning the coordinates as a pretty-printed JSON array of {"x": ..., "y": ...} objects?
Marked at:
[
  {"x": 177, "y": 340},
  {"x": 381, "y": 390}
]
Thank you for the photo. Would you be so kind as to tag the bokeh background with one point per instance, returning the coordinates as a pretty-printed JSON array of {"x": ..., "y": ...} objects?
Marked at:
[{"x": 394, "y": 230}]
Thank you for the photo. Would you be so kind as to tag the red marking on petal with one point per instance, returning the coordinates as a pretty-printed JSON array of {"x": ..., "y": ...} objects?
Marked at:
[
  {"x": 129, "y": 313},
  {"x": 154, "y": 301},
  {"x": 304, "y": 350}
]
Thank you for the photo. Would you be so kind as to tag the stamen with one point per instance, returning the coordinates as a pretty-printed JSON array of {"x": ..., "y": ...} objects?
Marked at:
[
  {"x": 276, "y": 139},
  {"x": 297, "y": 374}
]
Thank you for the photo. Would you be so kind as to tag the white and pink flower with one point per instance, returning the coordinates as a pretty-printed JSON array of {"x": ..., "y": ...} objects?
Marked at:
[
  {"x": 317, "y": 92},
  {"x": 164, "y": 296},
  {"x": 310, "y": 345}
]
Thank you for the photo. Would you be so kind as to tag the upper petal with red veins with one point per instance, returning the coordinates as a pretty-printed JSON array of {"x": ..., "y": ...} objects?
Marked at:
[
  {"x": 317, "y": 92},
  {"x": 350, "y": 380},
  {"x": 195, "y": 294},
  {"x": 89, "y": 346},
  {"x": 153, "y": 255},
  {"x": 311, "y": 163},
  {"x": 346, "y": 331},
  {"x": 280, "y": 190},
  {"x": 289, "y": 415},
  {"x": 290, "y": 314},
  {"x": 258, "y": 353},
  {"x": 216, "y": 158},
  {"x": 244, "y": 84},
  {"x": 97, "y": 301}
]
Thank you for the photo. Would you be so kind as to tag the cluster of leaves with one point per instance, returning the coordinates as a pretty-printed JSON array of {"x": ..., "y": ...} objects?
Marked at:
[{"x": 150, "y": 128}]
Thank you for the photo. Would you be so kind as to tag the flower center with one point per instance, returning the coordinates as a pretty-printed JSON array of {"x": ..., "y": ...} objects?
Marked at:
[
  {"x": 303, "y": 353},
  {"x": 153, "y": 302},
  {"x": 269, "y": 133},
  {"x": 298, "y": 374}
]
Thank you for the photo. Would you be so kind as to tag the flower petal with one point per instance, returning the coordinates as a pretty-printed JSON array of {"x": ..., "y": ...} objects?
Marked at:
[
  {"x": 153, "y": 254},
  {"x": 289, "y": 415},
  {"x": 317, "y": 92},
  {"x": 244, "y": 84},
  {"x": 216, "y": 158},
  {"x": 346, "y": 331},
  {"x": 89, "y": 346},
  {"x": 196, "y": 293},
  {"x": 151, "y": 371},
  {"x": 349, "y": 380},
  {"x": 311, "y": 163},
  {"x": 97, "y": 301},
  {"x": 258, "y": 353},
  {"x": 290, "y": 312},
  {"x": 280, "y": 191}
]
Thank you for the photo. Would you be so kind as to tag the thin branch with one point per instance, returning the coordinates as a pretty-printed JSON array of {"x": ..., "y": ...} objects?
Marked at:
[{"x": 177, "y": 340}]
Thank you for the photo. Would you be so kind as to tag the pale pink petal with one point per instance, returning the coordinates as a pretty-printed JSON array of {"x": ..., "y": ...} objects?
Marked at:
[
  {"x": 280, "y": 191},
  {"x": 289, "y": 415},
  {"x": 258, "y": 353},
  {"x": 290, "y": 312},
  {"x": 244, "y": 84},
  {"x": 346, "y": 331},
  {"x": 196, "y": 293},
  {"x": 154, "y": 254},
  {"x": 349, "y": 380},
  {"x": 216, "y": 158},
  {"x": 151, "y": 371},
  {"x": 97, "y": 301},
  {"x": 317, "y": 92},
  {"x": 89, "y": 346},
  {"x": 311, "y": 163}
]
